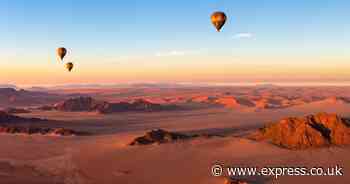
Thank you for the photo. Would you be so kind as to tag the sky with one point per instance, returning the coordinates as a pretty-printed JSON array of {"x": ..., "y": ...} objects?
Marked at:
[{"x": 122, "y": 41}]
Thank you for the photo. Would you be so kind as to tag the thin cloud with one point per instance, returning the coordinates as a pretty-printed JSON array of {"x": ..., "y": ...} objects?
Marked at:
[
  {"x": 243, "y": 36},
  {"x": 170, "y": 53},
  {"x": 177, "y": 53}
]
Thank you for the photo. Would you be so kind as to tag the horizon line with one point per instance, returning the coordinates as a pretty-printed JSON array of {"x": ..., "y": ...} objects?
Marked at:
[{"x": 221, "y": 84}]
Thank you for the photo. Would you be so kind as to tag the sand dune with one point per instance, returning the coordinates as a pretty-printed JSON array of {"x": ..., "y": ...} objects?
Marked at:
[{"x": 106, "y": 156}]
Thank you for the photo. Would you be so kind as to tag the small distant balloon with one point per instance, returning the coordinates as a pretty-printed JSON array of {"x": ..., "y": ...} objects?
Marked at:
[
  {"x": 69, "y": 66},
  {"x": 61, "y": 52},
  {"x": 218, "y": 19}
]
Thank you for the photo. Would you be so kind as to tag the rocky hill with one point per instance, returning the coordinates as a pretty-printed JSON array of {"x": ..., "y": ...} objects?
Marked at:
[
  {"x": 78, "y": 104},
  {"x": 317, "y": 130},
  {"x": 137, "y": 105},
  {"x": 159, "y": 136}
]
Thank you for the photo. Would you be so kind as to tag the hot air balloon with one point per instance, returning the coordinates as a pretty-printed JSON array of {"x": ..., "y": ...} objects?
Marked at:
[
  {"x": 218, "y": 19},
  {"x": 61, "y": 52},
  {"x": 69, "y": 66}
]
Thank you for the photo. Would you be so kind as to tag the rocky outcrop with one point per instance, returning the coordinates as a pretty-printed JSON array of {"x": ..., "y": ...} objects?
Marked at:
[
  {"x": 159, "y": 136},
  {"x": 137, "y": 105},
  {"x": 318, "y": 130},
  {"x": 78, "y": 104},
  {"x": 41, "y": 131}
]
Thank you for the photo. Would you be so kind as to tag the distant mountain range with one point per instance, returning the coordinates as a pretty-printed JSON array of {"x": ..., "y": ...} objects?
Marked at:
[{"x": 121, "y": 85}]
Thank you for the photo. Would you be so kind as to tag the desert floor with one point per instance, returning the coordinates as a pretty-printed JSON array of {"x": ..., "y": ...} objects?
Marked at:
[{"x": 106, "y": 158}]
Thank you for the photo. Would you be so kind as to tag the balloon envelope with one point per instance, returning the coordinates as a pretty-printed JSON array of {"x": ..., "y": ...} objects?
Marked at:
[
  {"x": 69, "y": 66},
  {"x": 218, "y": 19},
  {"x": 61, "y": 52}
]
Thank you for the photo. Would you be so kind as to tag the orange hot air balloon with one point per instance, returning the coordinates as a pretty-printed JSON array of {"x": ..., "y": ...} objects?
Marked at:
[
  {"x": 61, "y": 52},
  {"x": 218, "y": 19},
  {"x": 69, "y": 66}
]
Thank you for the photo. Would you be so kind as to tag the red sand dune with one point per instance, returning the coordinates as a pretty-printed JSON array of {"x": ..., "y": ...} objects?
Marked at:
[{"x": 105, "y": 157}]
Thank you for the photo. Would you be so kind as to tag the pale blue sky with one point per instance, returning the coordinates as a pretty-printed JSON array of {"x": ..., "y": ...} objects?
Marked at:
[{"x": 137, "y": 31}]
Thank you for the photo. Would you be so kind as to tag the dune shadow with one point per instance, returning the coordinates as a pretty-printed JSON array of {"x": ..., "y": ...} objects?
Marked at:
[{"x": 229, "y": 131}]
